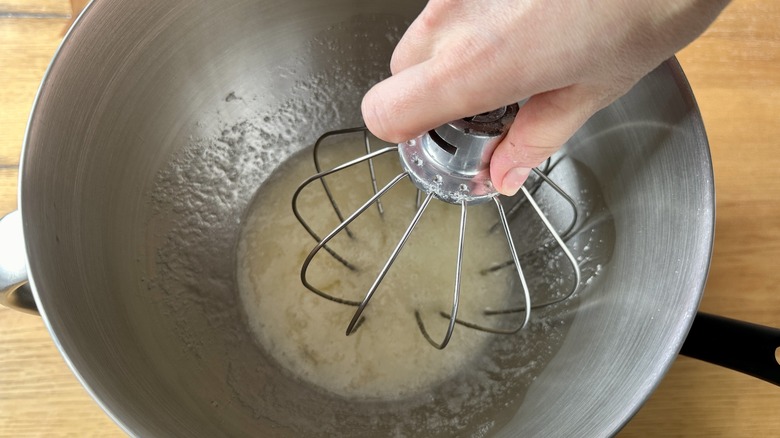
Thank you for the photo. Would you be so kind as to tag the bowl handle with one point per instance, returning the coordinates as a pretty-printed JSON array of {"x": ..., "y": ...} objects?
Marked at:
[
  {"x": 15, "y": 291},
  {"x": 742, "y": 346}
]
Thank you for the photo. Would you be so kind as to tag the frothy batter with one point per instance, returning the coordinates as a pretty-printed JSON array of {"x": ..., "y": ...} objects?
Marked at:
[{"x": 387, "y": 358}]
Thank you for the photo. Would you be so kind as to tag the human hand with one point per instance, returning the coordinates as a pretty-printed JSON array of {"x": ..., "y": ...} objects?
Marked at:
[{"x": 570, "y": 58}]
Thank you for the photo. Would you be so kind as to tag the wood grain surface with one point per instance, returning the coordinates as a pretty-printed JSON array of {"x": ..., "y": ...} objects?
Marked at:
[{"x": 734, "y": 69}]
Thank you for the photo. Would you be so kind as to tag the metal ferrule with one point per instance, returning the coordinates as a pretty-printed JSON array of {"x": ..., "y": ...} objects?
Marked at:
[{"x": 453, "y": 160}]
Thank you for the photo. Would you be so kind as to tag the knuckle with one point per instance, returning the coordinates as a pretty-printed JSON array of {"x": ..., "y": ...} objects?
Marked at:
[
  {"x": 532, "y": 155},
  {"x": 438, "y": 12},
  {"x": 397, "y": 61},
  {"x": 429, "y": 19}
]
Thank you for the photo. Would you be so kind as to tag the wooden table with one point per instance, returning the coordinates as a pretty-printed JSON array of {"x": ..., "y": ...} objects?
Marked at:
[{"x": 735, "y": 73}]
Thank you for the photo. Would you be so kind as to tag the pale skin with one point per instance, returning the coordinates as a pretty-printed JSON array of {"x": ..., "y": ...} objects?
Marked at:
[{"x": 570, "y": 58}]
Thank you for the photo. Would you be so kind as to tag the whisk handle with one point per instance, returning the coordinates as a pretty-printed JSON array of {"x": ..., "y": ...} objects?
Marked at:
[{"x": 741, "y": 346}]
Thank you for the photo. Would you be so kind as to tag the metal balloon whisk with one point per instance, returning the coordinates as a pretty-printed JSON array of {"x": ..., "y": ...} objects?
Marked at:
[{"x": 449, "y": 163}]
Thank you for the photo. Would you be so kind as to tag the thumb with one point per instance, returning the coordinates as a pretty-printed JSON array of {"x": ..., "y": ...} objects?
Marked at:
[{"x": 541, "y": 127}]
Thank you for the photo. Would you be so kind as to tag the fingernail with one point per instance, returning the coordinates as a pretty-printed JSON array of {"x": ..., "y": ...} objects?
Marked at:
[{"x": 513, "y": 180}]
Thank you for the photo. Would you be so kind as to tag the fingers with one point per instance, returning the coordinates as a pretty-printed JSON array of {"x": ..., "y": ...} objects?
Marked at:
[
  {"x": 407, "y": 53},
  {"x": 442, "y": 73},
  {"x": 434, "y": 92},
  {"x": 437, "y": 23},
  {"x": 388, "y": 106},
  {"x": 416, "y": 46},
  {"x": 542, "y": 125},
  {"x": 412, "y": 102}
]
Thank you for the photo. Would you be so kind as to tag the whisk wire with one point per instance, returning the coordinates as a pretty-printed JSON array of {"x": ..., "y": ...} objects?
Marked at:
[
  {"x": 512, "y": 211},
  {"x": 323, "y": 243},
  {"x": 389, "y": 263},
  {"x": 566, "y": 234},
  {"x": 575, "y": 266},
  {"x": 321, "y": 176},
  {"x": 371, "y": 171},
  {"x": 515, "y": 258},
  {"x": 526, "y": 293},
  {"x": 575, "y": 211},
  {"x": 318, "y": 167},
  {"x": 456, "y": 294}
]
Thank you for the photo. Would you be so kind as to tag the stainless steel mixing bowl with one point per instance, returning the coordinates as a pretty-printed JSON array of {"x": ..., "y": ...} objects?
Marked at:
[{"x": 158, "y": 121}]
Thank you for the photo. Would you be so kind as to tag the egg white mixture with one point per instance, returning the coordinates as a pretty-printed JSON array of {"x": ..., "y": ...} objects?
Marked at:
[{"x": 387, "y": 358}]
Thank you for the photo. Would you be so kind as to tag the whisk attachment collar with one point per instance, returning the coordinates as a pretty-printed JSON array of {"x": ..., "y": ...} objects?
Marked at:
[{"x": 453, "y": 160}]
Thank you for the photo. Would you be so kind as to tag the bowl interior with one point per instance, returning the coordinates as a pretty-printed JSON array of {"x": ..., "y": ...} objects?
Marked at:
[{"x": 158, "y": 122}]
